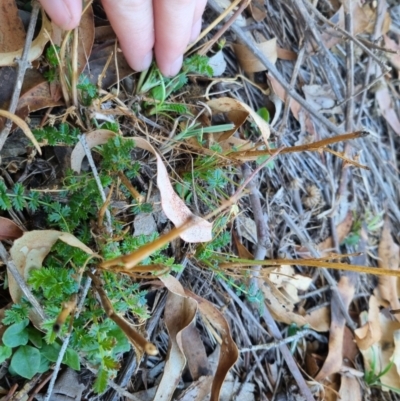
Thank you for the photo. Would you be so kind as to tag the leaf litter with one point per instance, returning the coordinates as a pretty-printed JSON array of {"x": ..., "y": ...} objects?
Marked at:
[{"x": 200, "y": 313}]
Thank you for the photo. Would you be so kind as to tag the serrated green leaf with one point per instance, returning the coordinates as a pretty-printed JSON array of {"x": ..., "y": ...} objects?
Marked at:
[
  {"x": 5, "y": 353},
  {"x": 26, "y": 361},
  {"x": 16, "y": 335},
  {"x": 100, "y": 385}
]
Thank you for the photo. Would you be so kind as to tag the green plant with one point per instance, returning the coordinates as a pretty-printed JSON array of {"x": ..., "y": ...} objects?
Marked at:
[
  {"x": 372, "y": 222},
  {"x": 88, "y": 91},
  {"x": 53, "y": 60},
  {"x": 160, "y": 88}
]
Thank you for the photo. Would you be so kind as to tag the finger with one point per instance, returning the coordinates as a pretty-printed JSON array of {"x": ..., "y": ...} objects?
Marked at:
[
  {"x": 197, "y": 19},
  {"x": 65, "y": 13},
  {"x": 173, "y": 21},
  {"x": 132, "y": 21}
]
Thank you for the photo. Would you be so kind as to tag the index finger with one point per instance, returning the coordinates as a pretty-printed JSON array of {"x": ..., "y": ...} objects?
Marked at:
[
  {"x": 64, "y": 13},
  {"x": 173, "y": 20}
]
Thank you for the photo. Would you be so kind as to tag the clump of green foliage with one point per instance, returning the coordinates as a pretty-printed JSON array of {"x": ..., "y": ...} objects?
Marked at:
[
  {"x": 160, "y": 88},
  {"x": 53, "y": 61}
]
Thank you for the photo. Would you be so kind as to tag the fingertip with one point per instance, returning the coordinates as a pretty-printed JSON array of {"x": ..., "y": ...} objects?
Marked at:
[
  {"x": 64, "y": 13},
  {"x": 196, "y": 29},
  {"x": 140, "y": 64},
  {"x": 170, "y": 69}
]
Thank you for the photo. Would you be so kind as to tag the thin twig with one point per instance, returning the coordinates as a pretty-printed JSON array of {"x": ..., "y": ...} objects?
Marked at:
[
  {"x": 306, "y": 242},
  {"x": 275, "y": 73},
  {"x": 22, "y": 65},
  {"x": 88, "y": 153},
  {"x": 274, "y": 344},
  {"x": 66, "y": 340},
  {"x": 287, "y": 355}
]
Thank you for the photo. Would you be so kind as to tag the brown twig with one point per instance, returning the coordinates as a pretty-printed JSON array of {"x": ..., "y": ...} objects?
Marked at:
[
  {"x": 206, "y": 48},
  {"x": 22, "y": 65}
]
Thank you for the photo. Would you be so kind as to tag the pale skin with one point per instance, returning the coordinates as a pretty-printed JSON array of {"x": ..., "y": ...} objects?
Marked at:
[{"x": 144, "y": 28}]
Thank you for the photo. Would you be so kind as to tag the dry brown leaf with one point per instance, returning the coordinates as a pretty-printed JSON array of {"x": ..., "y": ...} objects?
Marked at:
[
  {"x": 258, "y": 10},
  {"x": 238, "y": 112},
  {"x": 280, "y": 307},
  {"x": 172, "y": 205},
  {"x": 29, "y": 251},
  {"x": 388, "y": 252},
  {"x": 12, "y": 33},
  {"x": 8, "y": 58},
  {"x": 384, "y": 99},
  {"x": 364, "y": 17},
  {"x": 249, "y": 62},
  {"x": 295, "y": 107},
  {"x": 370, "y": 332},
  {"x": 195, "y": 352},
  {"x": 229, "y": 352},
  {"x": 325, "y": 247},
  {"x": 86, "y": 35},
  {"x": 382, "y": 352},
  {"x": 334, "y": 360},
  {"x": 180, "y": 312},
  {"x": 9, "y": 230},
  {"x": 319, "y": 319}
]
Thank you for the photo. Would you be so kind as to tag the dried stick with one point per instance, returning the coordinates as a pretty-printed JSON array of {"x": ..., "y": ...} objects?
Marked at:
[
  {"x": 305, "y": 241},
  {"x": 21, "y": 282},
  {"x": 349, "y": 36},
  {"x": 88, "y": 153},
  {"x": 207, "y": 46},
  {"x": 287, "y": 340},
  {"x": 65, "y": 344},
  {"x": 275, "y": 73},
  {"x": 22, "y": 66},
  {"x": 327, "y": 60},
  {"x": 287, "y": 355}
]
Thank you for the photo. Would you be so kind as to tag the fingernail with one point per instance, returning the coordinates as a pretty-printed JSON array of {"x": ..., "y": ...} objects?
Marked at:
[
  {"x": 195, "y": 31},
  {"x": 145, "y": 62},
  {"x": 174, "y": 67}
]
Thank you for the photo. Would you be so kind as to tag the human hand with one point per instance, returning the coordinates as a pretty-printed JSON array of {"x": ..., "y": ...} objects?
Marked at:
[{"x": 167, "y": 26}]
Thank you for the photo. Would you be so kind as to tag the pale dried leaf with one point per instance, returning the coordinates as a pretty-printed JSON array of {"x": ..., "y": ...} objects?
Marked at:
[
  {"x": 173, "y": 206},
  {"x": 218, "y": 63},
  {"x": 393, "y": 45},
  {"x": 234, "y": 108},
  {"x": 388, "y": 252},
  {"x": 23, "y": 125},
  {"x": 251, "y": 63},
  {"x": 386, "y": 106},
  {"x": 321, "y": 97},
  {"x": 36, "y": 50},
  {"x": 350, "y": 389},
  {"x": 370, "y": 332}
]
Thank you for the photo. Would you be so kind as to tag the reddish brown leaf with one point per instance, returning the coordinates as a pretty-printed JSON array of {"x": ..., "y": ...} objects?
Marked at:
[
  {"x": 12, "y": 33},
  {"x": 9, "y": 230}
]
